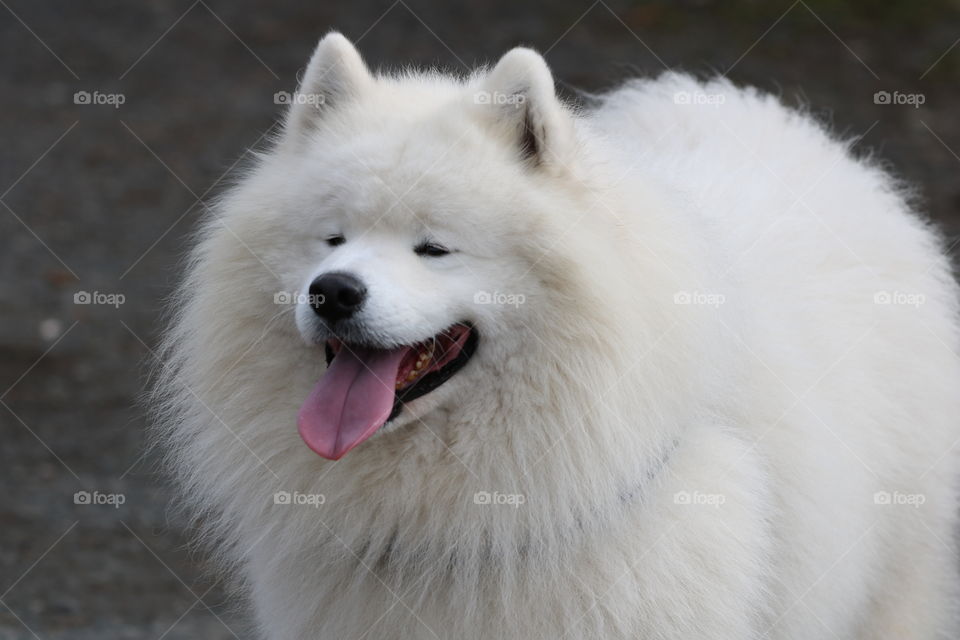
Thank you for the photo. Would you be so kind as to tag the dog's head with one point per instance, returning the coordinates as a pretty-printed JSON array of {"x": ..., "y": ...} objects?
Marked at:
[
  {"x": 400, "y": 212},
  {"x": 428, "y": 235}
]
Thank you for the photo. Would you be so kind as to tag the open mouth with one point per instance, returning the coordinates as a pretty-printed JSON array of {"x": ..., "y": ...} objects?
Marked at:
[{"x": 365, "y": 387}]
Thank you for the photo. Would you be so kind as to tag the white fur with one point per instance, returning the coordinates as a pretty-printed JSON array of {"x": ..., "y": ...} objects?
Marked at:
[{"x": 779, "y": 409}]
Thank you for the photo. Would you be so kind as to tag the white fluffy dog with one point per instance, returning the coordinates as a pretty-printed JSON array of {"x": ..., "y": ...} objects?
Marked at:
[{"x": 677, "y": 366}]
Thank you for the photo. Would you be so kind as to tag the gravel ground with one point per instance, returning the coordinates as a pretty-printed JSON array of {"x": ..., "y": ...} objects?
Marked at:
[{"x": 101, "y": 197}]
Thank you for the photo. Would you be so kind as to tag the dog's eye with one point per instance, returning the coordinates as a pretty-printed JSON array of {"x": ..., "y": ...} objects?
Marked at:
[
  {"x": 336, "y": 241},
  {"x": 431, "y": 249}
]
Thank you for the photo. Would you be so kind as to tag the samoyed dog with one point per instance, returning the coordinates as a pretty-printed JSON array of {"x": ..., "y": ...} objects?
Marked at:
[{"x": 457, "y": 360}]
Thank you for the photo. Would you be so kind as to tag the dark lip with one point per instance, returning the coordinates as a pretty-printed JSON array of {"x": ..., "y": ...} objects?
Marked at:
[{"x": 432, "y": 380}]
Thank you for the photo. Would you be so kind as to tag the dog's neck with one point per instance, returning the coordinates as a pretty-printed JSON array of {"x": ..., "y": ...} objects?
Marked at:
[
  {"x": 638, "y": 491},
  {"x": 390, "y": 560}
]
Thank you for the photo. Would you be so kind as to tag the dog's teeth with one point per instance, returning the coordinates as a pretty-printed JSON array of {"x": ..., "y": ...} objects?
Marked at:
[{"x": 422, "y": 361}]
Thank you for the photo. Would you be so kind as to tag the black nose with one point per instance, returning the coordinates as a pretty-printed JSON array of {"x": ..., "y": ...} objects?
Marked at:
[{"x": 336, "y": 295}]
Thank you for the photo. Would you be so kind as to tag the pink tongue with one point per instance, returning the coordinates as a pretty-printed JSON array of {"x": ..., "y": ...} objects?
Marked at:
[{"x": 351, "y": 401}]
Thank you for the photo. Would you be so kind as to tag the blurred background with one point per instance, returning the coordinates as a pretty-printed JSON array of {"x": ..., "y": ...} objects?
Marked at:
[{"x": 120, "y": 117}]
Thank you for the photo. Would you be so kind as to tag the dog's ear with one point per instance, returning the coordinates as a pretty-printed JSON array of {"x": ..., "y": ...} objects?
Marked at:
[
  {"x": 518, "y": 97},
  {"x": 335, "y": 75}
]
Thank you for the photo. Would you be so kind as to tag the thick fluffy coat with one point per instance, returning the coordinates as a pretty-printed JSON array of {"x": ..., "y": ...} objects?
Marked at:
[{"x": 715, "y": 393}]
